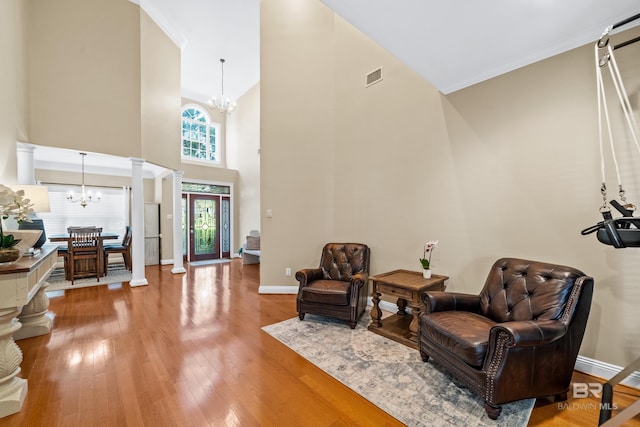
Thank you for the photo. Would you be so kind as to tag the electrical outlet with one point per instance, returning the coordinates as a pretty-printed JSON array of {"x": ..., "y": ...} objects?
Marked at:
[{"x": 287, "y": 271}]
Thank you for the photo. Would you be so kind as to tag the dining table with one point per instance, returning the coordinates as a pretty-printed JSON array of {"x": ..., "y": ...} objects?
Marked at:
[
  {"x": 65, "y": 237},
  {"x": 83, "y": 265}
]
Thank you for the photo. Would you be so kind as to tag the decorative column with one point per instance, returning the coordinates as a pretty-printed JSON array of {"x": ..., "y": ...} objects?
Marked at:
[
  {"x": 13, "y": 389},
  {"x": 34, "y": 319},
  {"x": 178, "y": 264},
  {"x": 21, "y": 290},
  {"x": 25, "y": 164},
  {"x": 137, "y": 224}
]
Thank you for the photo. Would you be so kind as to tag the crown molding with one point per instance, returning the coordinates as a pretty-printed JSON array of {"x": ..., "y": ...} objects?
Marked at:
[{"x": 176, "y": 36}]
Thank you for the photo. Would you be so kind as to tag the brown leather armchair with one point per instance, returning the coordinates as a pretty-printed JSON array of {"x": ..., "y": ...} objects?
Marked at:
[
  {"x": 518, "y": 339},
  {"x": 339, "y": 287}
]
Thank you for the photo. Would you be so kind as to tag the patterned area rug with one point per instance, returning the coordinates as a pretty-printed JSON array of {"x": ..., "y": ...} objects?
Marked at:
[
  {"x": 116, "y": 273},
  {"x": 391, "y": 375}
]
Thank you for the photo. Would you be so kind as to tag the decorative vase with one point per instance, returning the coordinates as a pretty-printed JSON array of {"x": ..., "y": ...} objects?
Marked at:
[
  {"x": 426, "y": 273},
  {"x": 9, "y": 255}
]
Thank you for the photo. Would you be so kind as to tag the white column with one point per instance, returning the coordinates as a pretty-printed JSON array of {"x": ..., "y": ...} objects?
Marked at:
[
  {"x": 178, "y": 264},
  {"x": 126, "y": 196},
  {"x": 137, "y": 224},
  {"x": 25, "y": 164}
]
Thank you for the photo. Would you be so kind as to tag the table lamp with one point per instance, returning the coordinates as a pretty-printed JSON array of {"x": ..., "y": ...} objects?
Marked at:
[{"x": 39, "y": 196}]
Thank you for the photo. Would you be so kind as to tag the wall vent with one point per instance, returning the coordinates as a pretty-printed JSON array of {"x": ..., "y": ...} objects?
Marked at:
[{"x": 374, "y": 77}]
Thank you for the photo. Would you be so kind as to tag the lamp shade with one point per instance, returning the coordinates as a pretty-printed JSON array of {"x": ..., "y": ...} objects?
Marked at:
[
  {"x": 38, "y": 194},
  {"x": 39, "y": 197}
]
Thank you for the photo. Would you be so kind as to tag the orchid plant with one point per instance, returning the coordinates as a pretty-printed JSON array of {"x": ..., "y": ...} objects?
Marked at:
[
  {"x": 13, "y": 203},
  {"x": 428, "y": 250}
]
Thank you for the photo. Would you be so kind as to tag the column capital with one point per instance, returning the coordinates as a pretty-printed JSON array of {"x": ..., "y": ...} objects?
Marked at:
[
  {"x": 136, "y": 161},
  {"x": 25, "y": 147}
]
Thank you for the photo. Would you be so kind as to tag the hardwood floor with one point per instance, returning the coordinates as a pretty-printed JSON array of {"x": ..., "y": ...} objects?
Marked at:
[{"x": 187, "y": 350}]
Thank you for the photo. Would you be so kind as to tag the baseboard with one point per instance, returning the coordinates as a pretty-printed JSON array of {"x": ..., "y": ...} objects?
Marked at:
[
  {"x": 278, "y": 290},
  {"x": 605, "y": 370},
  {"x": 166, "y": 261}
]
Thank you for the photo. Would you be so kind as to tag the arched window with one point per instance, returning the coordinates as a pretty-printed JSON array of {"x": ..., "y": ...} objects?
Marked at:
[{"x": 200, "y": 136}]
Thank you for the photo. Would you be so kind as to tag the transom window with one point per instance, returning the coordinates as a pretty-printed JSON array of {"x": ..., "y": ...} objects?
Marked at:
[{"x": 200, "y": 136}]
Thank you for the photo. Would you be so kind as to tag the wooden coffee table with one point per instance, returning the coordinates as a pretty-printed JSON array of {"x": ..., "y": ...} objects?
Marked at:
[{"x": 407, "y": 286}]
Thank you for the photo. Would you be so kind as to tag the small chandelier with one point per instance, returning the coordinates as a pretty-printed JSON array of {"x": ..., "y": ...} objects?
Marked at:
[
  {"x": 85, "y": 198},
  {"x": 221, "y": 102}
]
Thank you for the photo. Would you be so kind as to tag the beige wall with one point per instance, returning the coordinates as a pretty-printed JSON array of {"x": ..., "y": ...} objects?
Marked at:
[
  {"x": 84, "y": 75},
  {"x": 160, "y": 95},
  {"x": 243, "y": 155},
  {"x": 297, "y": 138},
  {"x": 14, "y": 119},
  {"x": 508, "y": 167}
]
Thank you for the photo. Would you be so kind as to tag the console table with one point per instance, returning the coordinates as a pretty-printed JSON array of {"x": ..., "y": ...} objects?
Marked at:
[
  {"x": 407, "y": 286},
  {"x": 23, "y": 309}
]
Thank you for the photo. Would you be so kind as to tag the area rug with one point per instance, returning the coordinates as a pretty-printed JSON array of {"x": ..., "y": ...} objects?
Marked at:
[
  {"x": 391, "y": 375},
  {"x": 115, "y": 274}
]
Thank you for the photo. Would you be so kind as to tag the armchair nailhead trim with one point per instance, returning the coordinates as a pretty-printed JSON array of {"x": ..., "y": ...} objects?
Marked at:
[
  {"x": 577, "y": 287},
  {"x": 496, "y": 361}
]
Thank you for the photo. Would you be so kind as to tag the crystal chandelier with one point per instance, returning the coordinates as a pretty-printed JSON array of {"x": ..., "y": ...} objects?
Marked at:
[
  {"x": 221, "y": 102},
  {"x": 85, "y": 198}
]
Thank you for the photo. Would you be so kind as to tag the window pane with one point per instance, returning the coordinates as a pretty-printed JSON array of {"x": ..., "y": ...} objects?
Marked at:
[
  {"x": 191, "y": 187},
  {"x": 199, "y": 136}
]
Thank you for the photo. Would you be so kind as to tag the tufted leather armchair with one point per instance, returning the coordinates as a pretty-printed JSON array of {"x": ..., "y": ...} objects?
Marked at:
[
  {"x": 338, "y": 288},
  {"x": 519, "y": 338}
]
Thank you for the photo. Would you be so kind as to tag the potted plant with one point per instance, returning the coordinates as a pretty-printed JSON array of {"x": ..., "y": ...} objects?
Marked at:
[
  {"x": 426, "y": 258},
  {"x": 12, "y": 203}
]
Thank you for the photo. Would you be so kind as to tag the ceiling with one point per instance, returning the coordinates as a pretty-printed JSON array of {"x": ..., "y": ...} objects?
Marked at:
[
  {"x": 207, "y": 31},
  {"x": 452, "y": 44}
]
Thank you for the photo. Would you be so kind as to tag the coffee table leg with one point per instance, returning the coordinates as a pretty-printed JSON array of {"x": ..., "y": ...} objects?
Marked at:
[
  {"x": 413, "y": 326},
  {"x": 376, "y": 314}
]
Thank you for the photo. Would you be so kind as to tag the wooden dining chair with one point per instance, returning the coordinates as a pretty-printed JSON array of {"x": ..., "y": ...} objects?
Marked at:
[
  {"x": 63, "y": 251},
  {"x": 85, "y": 253},
  {"x": 123, "y": 248}
]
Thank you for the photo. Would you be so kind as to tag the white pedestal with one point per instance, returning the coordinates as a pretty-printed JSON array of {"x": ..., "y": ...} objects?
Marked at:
[
  {"x": 34, "y": 320},
  {"x": 22, "y": 299}
]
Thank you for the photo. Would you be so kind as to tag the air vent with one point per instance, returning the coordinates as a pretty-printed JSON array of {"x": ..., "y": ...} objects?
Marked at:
[{"x": 374, "y": 77}]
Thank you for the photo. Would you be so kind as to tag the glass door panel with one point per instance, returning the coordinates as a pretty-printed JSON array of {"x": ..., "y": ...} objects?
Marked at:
[
  {"x": 185, "y": 236},
  {"x": 226, "y": 227},
  {"x": 204, "y": 227}
]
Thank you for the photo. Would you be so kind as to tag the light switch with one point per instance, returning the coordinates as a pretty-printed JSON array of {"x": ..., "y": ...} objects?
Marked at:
[{"x": 269, "y": 213}]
